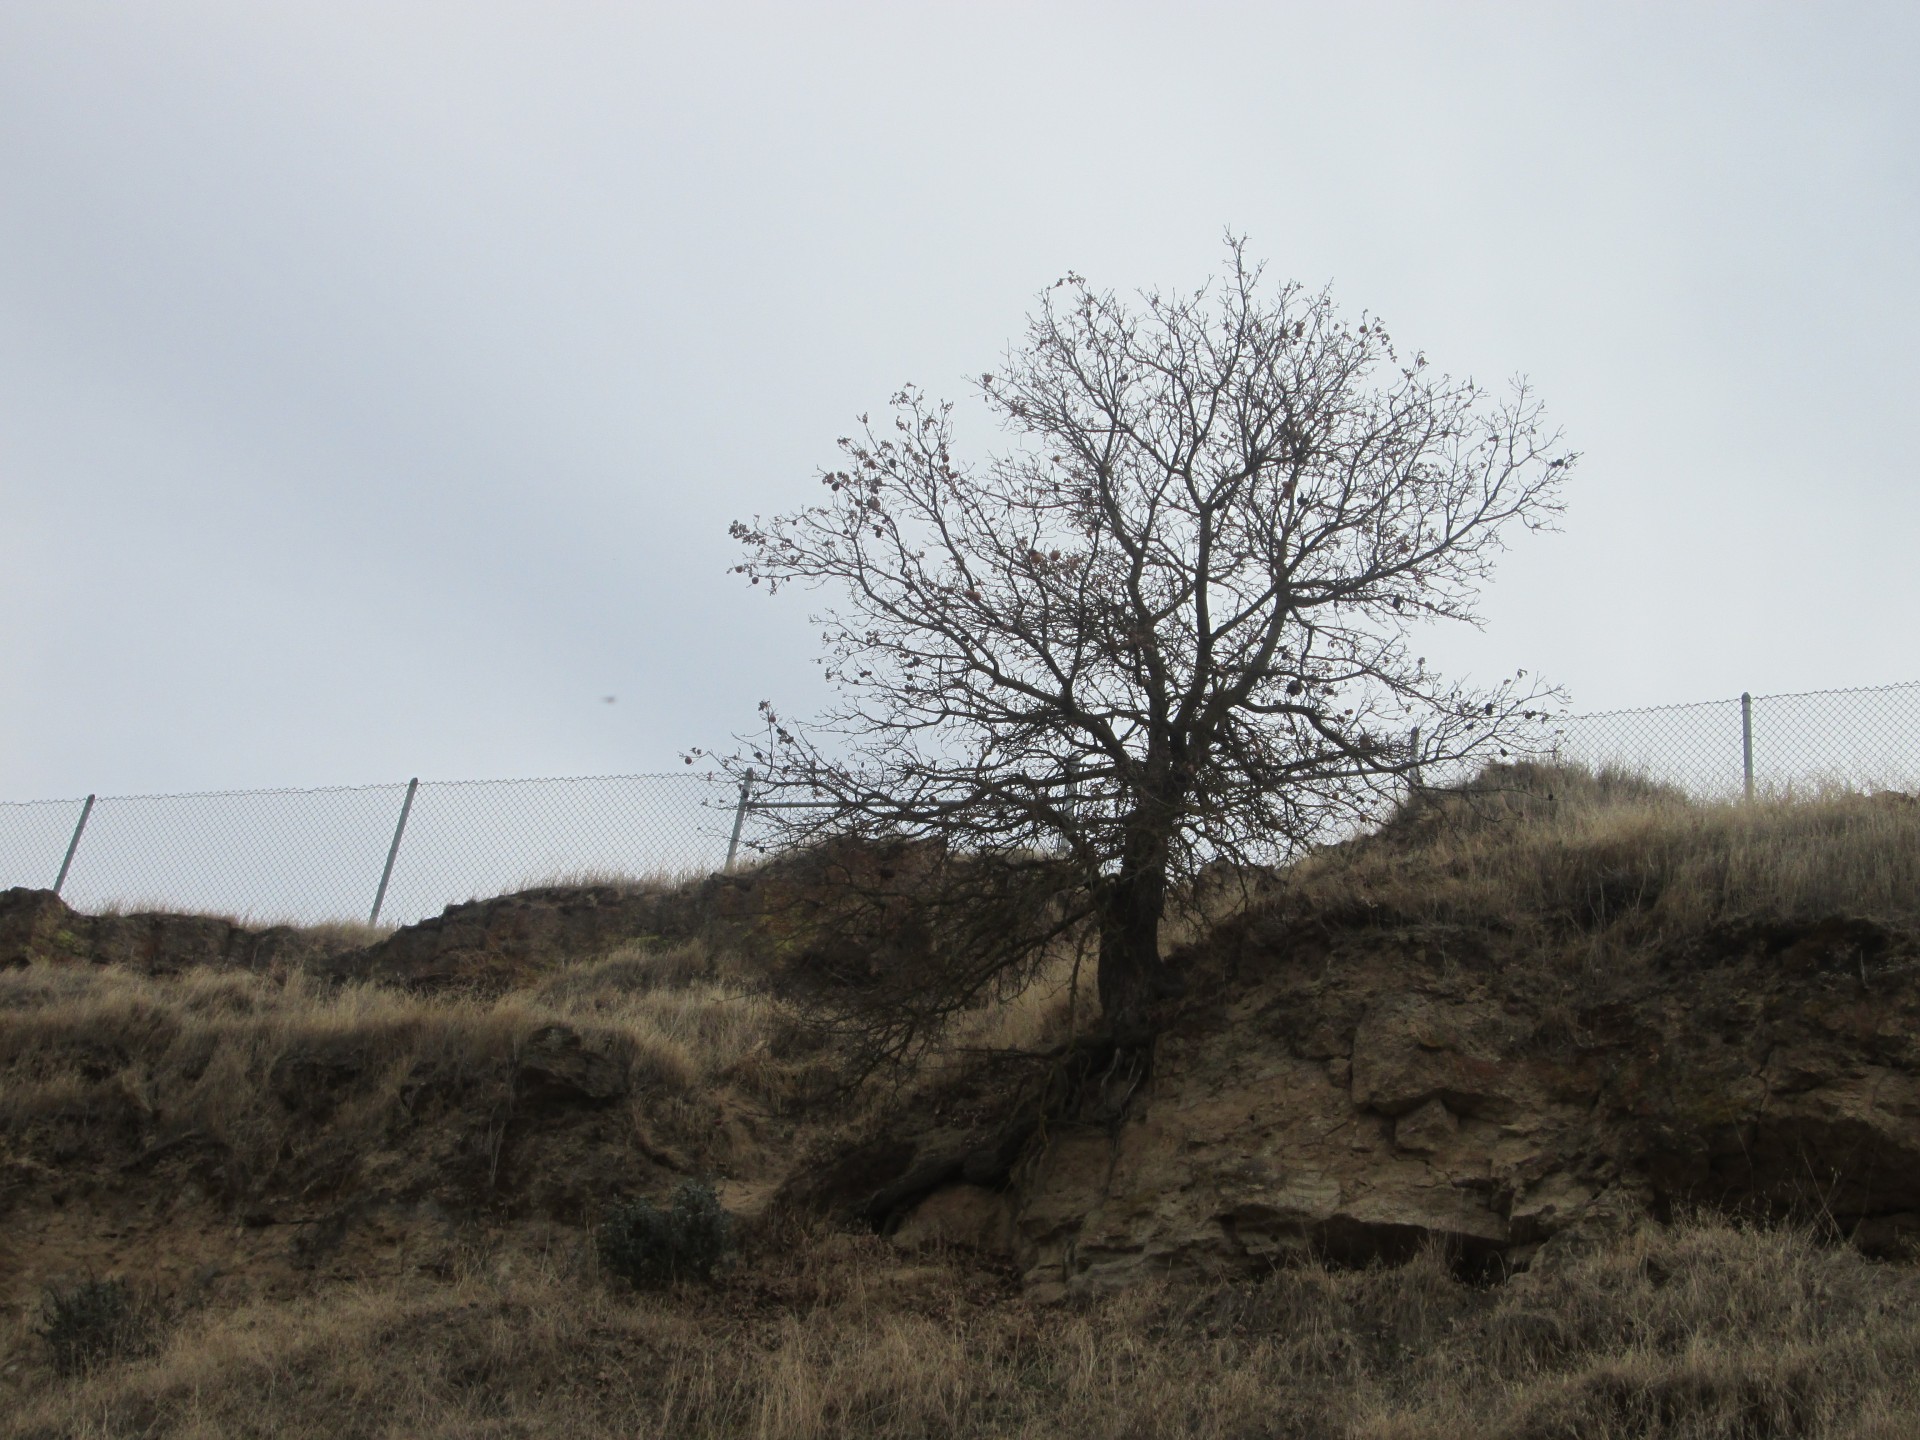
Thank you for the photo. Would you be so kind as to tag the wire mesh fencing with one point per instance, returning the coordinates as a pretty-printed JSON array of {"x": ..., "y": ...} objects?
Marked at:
[
  {"x": 1759, "y": 745},
  {"x": 313, "y": 856},
  {"x": 402, "y": 852}
]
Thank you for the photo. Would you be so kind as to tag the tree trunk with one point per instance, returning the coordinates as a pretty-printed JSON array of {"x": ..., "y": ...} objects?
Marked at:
[{"x": 1132, "y": 976}]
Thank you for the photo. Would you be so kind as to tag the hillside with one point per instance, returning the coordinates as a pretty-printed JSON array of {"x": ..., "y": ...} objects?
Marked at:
[{"x": 1559, "y": 1104}]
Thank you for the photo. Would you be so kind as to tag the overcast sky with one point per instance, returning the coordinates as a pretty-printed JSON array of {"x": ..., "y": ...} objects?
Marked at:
[{"x": 377, "y": 381}]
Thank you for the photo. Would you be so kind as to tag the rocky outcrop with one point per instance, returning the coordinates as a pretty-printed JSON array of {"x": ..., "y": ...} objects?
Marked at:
[
  {"x": 1362, "y": 1094},
  {"x": 784, "y": 913},
  {"x": 489, "y": 944},
  {"x": 37, "y": 925},
  {"x": 822, "y": 916},
  {"x": 480, "y": 945}
]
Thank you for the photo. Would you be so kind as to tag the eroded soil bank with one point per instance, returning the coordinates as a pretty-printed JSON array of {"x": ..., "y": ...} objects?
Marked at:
[{"x": 1438, "y": 1111}]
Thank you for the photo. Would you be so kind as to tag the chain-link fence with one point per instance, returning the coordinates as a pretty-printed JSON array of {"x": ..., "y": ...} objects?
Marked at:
[
  {"x": 306, "y": 856},
  {"x": 1865, "y": 739},
  {"x": 406, "y": 851}
]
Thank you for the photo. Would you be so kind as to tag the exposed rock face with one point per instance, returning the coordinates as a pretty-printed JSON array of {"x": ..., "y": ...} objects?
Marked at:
[
  {"x": 1240, "y": 1152},
  {"x": 1370, "y": 1091}
]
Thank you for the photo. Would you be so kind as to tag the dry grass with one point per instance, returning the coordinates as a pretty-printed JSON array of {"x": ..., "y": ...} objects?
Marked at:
[
  {"x": 206, "y": 1028},
  {"x": 1059, "y": 1000},
  {"x": 326, "y": 936},
  {"x": 1558, "y": 849},
  {"x": 92, "y": 1057},
  {"x": 588, "y": 876},
  {"x": 1616, "y": 863},
  {"x": 1699, "y": 1332}
]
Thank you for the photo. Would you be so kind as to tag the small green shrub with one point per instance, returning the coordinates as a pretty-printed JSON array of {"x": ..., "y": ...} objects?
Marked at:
[
  {"x": 91, "y": 1321},
  {"x": 650, "y": 1247}
]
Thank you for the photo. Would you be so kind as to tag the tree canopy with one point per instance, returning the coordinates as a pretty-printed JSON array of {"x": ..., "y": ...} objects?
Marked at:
[{"x": 1170, "y": 623}]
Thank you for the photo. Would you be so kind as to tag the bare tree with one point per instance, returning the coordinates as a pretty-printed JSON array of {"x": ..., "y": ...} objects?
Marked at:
[{"x": 1169, "y": 624}]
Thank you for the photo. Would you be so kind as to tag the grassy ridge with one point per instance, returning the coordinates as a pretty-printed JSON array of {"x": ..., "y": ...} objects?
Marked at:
[
  {"x": 1546, "y": 851},
  {"x": 309, "y": 1093},
  {"x": 1697, "y": 1330}
]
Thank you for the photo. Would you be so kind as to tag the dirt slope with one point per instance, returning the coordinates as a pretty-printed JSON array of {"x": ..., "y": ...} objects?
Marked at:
[
  {"x": 1392, "y": 1050},
  {"x": 1513, "y": 1035}
]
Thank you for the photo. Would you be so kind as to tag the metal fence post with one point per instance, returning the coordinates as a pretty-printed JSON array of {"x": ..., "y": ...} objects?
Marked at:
[
  {"x": 393, "y": 850},
  {"x": 739, "y": 819},
  {"x": 72, "y": 845},
  {"x": 1746, "y": 741}
]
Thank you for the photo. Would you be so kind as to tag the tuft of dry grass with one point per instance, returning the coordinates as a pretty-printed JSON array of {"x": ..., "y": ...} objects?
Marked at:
[{"x": 1696, "y": 1332}]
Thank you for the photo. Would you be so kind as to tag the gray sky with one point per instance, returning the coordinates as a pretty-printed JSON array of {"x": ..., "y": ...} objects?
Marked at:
[{"x": 377, "y": 381}]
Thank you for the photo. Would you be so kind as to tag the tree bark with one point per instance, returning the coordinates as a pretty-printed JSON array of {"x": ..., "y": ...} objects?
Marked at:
[{"x": 1132, "y": 975}]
